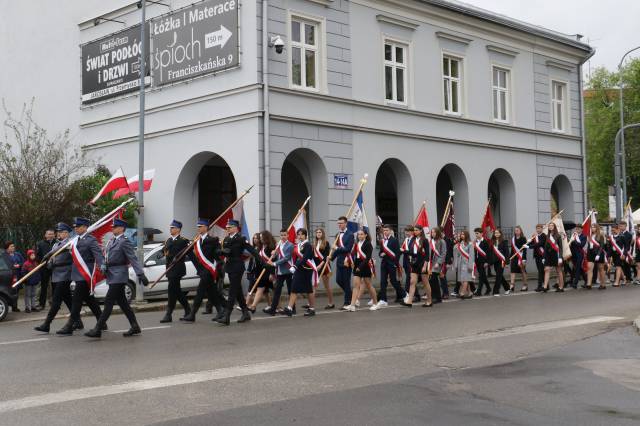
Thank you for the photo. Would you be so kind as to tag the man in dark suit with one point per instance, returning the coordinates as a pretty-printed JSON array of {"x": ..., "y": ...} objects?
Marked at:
[
  {"x": 481, "y": 250},
  {"x": 119, "y": 255},
  {"x": 205, "y": 257},
  {"x": 344, "y": 245},
  {"x": 87, "y": 255},
  {"x": 233, "y": 247},
  {"x": 628, "y": 246},
  {"x": 174, "y": 245},
  {"x": 538, "y": 244},
  {"x": 42, "y": 248},
  {"x": 389, "y": 266},
  {"x": 60, "y": 267}
]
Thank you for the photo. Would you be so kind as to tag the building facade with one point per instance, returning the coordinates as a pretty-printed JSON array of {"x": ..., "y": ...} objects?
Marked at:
[{"x": 425, "y": 96}]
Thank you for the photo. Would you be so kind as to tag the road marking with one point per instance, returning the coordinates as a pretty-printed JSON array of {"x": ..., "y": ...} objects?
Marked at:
[
  {"x": 277, "y": 366},
  {"x": 41, "y": 339},
  {"x": 143, "y": 329}
]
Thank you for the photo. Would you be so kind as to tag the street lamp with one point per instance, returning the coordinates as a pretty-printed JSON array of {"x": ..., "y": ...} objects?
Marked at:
[
  {"x": 620, "y": 150},
  {"x": 143, "y": 50}
]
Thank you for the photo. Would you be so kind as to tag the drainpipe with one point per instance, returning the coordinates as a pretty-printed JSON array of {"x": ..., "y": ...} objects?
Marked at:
[
  {"x": 265, "y": 126},
  {"x": 585, "y": 193}
]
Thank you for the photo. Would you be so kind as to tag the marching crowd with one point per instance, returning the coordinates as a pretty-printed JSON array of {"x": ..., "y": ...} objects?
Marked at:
[{"x": 416, "y": 262}]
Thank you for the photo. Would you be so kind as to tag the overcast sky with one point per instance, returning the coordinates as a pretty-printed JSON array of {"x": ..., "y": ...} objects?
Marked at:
[{"x": 611, "y": 26}]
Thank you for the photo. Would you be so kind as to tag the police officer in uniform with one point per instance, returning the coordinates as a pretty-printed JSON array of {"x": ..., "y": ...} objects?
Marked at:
[
  {"x": 205, "y": 256},
  {"x": 89, "y": 251},
  {"x": 233, "y": 247},
  {"x": 60, "y": 267},
  {"x": 118, "y": 255},
  {"x": 175, "y": 244}
]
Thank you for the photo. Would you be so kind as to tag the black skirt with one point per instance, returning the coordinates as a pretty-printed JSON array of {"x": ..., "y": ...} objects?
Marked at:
[
  {"x": 515, "y": 268},
  {"x": 302, "y": 281},
  {"x": 363, "y": 272}
]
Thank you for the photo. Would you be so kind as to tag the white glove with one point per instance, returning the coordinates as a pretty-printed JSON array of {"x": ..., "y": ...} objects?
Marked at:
[
  {"x": 525, "y": 247},
  {"x": 597, "y": 258},
  {"x": 382, "y": 255},
  {"x": 292, "y": 269},
  {"x": 559, "y": 262}
]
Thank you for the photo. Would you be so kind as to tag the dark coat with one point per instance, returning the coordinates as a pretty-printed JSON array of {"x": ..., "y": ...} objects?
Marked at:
[
  {"x": 233, "y": 249},
  {"x": 171, "y": 249},
  {"x": 394, "y": 247}
]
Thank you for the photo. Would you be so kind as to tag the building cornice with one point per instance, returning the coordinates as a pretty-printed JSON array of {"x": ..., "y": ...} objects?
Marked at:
[
  {"x": 503, "y": 50},
  {"x": 399, "y": 21},
  {"x": 453, "y": 37}
]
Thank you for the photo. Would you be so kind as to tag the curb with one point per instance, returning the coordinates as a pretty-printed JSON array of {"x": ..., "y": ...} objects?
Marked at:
[
  {"x": 146, "y": 307},
  {"x": 636, "y": 325}
]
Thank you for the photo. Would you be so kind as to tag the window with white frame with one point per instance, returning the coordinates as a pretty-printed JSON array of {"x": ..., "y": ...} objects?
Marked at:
[
  {"x": 395, "y": 72},
  {"x": 558, "y": 105},
  {"x": 500, "y": 89},
  {"x": 452, "y": 84},
  {"x": 304, "y": 53}
]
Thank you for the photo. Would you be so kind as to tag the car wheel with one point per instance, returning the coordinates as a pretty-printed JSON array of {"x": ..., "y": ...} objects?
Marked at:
[
  {"x": 130, "y": 292},
  {"x": 4, "y": 308}
]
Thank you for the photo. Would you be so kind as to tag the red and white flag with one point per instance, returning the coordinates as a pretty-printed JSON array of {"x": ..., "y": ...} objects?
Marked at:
[
  {"x": 300, "y": 222},
  {"x": 488, "y": 224},
  {"x": 134, "y": 184},
  {"x": 586, "y": 224},
  {"x": 117, "y": 181},
  {"x": 236, "y": 213},
  {"x": 423, "y": 219}
]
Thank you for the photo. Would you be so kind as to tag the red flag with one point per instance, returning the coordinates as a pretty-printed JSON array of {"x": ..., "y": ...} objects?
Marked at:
[
  {"x": 117, "y": 181},
  {"x": 488, "y": 223},
  {"x": 423, "y": 219},
  {"x": 450, "y": 223},
  {"x": 586, "y": 225},
  {"x": 300, "y": 222}
]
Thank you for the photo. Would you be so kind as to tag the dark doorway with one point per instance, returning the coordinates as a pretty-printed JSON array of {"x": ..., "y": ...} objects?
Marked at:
[{"x": 216, "y": 188}]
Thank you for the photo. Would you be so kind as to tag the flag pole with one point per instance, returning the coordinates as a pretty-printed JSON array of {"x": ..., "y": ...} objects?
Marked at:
[
  {"x": 184, "y": 251},
  {"x": 91, "y": 228},
  {"x": 300, "y": 210},
  {"x": 447, "y": 209},
  {"x": 531, "y": 239},
  {"x": 363, "y": 181}
]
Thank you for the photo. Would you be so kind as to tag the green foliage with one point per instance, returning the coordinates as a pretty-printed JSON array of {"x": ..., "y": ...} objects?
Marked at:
[{"x": 602, "y": 122}]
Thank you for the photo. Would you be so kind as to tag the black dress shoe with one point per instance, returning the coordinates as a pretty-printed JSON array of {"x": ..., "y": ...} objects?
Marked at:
[
  {"x": 67, "y": 330},
  {"x": 189, "y": 318},
  {"x": 288, "y": 312},
  {"x": 135, "y": 329},
  {"x": 477, "y": 294},
  {"x": 226, "y": 318},
  {"x": 310, "y": 313},
  {"x": 559, "y": 290},
  {"x": 95, "y": 333},
  {"x": 331, "y": 306},
  {"x": 44, "y": 328},
  {"x": 408, "y": 305},
  {"x": 253, "y": 311},
  {"x": 245, "y": 316},
  {"x": 207, "y": 311},
  {"x": 167, "y": 318},
  {"x": 104, "y": 327},
  {"x": 305, "y": 306},
  {"x": 545, "y": 289},
  {"x": 78, "y": 325}
]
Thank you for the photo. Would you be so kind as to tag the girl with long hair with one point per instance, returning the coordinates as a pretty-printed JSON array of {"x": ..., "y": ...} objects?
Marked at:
[
  {"x": 463, "y": 262},
  {"x": 321, "y": 249},
  {"x": 553, "y": 258},
  {"x": 267, "y": 245},
  {"x": 518, "y": 263},
  {"x": 363, "y": 270}
]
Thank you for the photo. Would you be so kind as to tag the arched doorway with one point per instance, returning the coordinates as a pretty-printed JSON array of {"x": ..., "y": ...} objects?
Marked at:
[
  {"x": 205, "y": 187},
  {"x": 502, "y": 197},
  {"x": 562, "y": 197},
  {"x": 394, "y": 191},
  {"x": 303, "y": 174},
  {"x": 452, "y": 178}
]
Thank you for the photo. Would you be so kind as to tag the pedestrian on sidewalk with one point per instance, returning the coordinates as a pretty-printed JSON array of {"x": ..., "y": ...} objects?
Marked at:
[
  {"x": 16, "y": 266},
  {"x": 42, "y": 248},
  {"x": 31, "y": 285}
]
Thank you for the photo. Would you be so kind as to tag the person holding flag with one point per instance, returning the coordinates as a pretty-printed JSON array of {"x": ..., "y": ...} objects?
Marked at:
[
  {"x": 418, "y": 254},
  {"x": 481, "y": 250},
  {"x": 282, "y": 263},
  {"x": 389, "y": 252},
  {"x": 175, "y": 245},
  {"x": 119, "y": 255},
  {"x": 498, "y": 256},
  {"x": 578, "y": 246},
  {"x": 86, "y": 256},
  {"x": 363, "y": 270},
  {"x": 344, "y": 245},
  {"x": 205, "y": 257},
  {"x": 538, "y": 244},
  {"x": 406, "y": 262},
  {"x": 305, "y": 274},
  {"x": 267, "y": 245}
]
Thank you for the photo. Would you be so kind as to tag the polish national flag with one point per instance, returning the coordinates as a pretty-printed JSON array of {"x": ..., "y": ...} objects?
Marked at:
[
  {"x": 117, "y": 181},
  {"x": 300, "y": 222},
  {"x": 586, "y": 225},
  {"x": 488, "y": 224},
  {"x": 236, "y": 213},
  {"x": 423, "y": 219},
  {"x": 134, "y": 184}
]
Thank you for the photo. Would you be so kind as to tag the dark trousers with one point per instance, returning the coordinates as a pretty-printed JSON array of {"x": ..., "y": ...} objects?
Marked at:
[
  {"x": 235, "y": 291},
  {"x": 176, "y": 295},
  {"x": 626, "y": 268},
  {"x": 44, "y": 286},
  {"x": 61, "y": 293},
  {"x": 500, "y": 281},
  {"x": 482, "y": 278},
  {"x": 444, "y": 285},
  {"x": 540, "y": 267},
  {"x": 209, "y": 288},
  {"x": 115, "y": 294},
  {"x": 80, "y": 295},
  {"x": 388, "y": 273},
  {"x": 277, "y": 292},
  {"x": 578, "y": 273},
  {"x": 434, "y": 282},
  {"x": 343, "y": 279}
]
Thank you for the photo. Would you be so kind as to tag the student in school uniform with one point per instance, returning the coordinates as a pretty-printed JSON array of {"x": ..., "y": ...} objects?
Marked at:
[
  {"x": 616, "y": 244},
  {"x": 303, "y": 269},
  {"x": 538, "y": 245},
  {"x": 481, "y": 250},
  {"x": 463, "y": 262},
  {"x": 499, "y": 256},
  {"x": 389, "y": 266},
  {"x": 321, "y": 251},
  {"x": 266, "y": 278},
  {"x": 418, "y": 253},
  {"x": 596, "y": 257},
  {"x": 406, "y": 262},
  {"x": 282, "y": 264},
  {"x": 553, "y": 258},
  {"x": 363, "y": 270},
  {"x": 436, "y": 264},
  {"x": 518, "y": 255}
]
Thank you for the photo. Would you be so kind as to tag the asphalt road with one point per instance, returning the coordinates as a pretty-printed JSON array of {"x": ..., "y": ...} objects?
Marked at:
[{"x": 568, "y": 358}]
